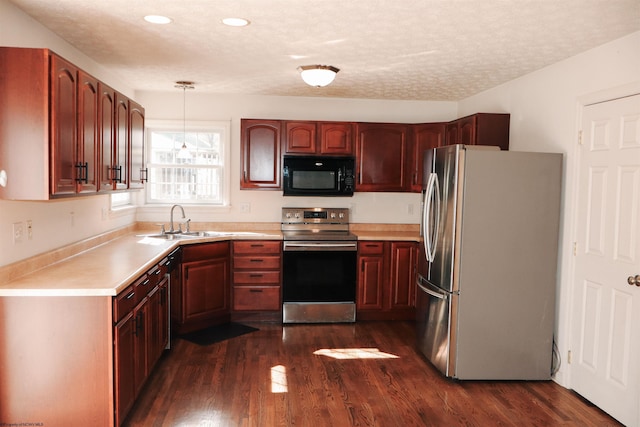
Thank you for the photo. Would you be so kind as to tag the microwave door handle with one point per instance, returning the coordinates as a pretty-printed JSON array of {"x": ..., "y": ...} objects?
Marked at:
[{"x": 339, "y": 179}]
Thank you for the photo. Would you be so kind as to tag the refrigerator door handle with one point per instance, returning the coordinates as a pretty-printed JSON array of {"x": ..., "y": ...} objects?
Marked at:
[
  {"x": 432, "y": 293},
  {"x": 431, "y": 222}
]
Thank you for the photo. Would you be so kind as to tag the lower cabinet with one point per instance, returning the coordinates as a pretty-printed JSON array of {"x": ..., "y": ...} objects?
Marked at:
[
  {"x": 201, "y": 298},
  {"x": 257, "y": 279},
  {"x": 140, "y": 335},
  {"x": 386, "y": 288}
]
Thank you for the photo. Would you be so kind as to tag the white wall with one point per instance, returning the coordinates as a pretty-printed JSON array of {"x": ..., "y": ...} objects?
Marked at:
[{"x": 545, "y": 111}]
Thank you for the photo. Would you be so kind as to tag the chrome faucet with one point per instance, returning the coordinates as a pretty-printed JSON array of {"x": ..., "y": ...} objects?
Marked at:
[{"x": 171, "y": 229}]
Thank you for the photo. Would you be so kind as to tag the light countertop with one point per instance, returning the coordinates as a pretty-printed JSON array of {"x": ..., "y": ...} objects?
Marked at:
[{"x": 107, "y": 269}]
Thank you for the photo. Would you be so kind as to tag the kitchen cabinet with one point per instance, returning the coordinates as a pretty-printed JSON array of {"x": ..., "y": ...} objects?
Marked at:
[
  {"x": 106, "y": 136},
  {"x": 371, "y": 272},
  {"x": 480, "y": 129},
  {"x": 257, "y": 278},
  {"x": 204, "y": 286},
  {"x": 424, "y": 137},
  {"x": 88, "y": 129},
  {"x": 140, "y": 334},
  {"x": 260, "y": 152},
  {"x": 382, "y": 152},
  {"x": 137, "y": 167},
  {"x": 386, "y": 280},
  {"x": 54, "y": 125},
  {"x": 120, "y": 170},
  {"x": 64, "y": 110},
  {"x": 321, "y": 138}
]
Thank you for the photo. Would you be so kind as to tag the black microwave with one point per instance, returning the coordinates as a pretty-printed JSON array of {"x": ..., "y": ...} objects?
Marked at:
[{"x": 318, "y": 175}]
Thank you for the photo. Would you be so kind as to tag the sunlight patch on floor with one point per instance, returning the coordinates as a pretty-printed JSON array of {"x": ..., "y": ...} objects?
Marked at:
[
  {"x": 279, "y": 379},
  {"x": 355, "y": 353}
]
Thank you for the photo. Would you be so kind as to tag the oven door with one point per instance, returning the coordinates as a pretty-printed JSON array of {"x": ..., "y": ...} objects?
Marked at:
[{"x": 319, "y": 271}]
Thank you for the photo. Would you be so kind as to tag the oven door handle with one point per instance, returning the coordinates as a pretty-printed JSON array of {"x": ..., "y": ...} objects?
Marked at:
[{"x": 312, "y": 246}]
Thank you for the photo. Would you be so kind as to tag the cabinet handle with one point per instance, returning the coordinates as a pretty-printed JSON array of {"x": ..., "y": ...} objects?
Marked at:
[
  {"x": 256, "y": 245},
  {"x": 257, "y": 291},
  {"x": 139, "y": 324},
  {"x": 255, "y": 275},
  {"x": 256, "y": 260},
  {"x": 143, "y": 175},
  {"x": 117, "y": 174},
  {"x": 131, "y": 295},
  {"x": 146, "y": 282}
]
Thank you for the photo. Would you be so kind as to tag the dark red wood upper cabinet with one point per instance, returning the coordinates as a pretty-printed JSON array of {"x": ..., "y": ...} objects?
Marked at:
[
  {"x": 120, "y": 167},
  {"x": 424, "y": 137},
  {"x": 260, "y": 154},
  {"x": 381, "y": 157},
  {"x": 137, "y": 167},
  {"x": 480, "y": 129},
  {"x": 64, "y": 108},
  {"x": 106, "y": 136},
  {"x": 88, "y": 130},
  {"x": 300, "y": 137},
  {"x": 336, "y": 138}
]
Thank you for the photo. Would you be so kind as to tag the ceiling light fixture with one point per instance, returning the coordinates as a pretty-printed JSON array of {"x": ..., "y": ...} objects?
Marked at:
[
  {"x": 318, "y": 75},
  {"x": 235, "y": 22},
  {"x": 157, "y": 19},
  {"x": 184, "y": 85}
]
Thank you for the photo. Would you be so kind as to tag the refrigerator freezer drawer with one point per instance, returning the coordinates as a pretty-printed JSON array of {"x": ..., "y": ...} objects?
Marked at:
[{"x": 434, "y": 325}]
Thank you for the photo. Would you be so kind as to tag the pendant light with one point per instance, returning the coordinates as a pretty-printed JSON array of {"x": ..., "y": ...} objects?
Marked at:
[
  {"x": 184, "y": 154},
  {"x": 318, "y": 75}
]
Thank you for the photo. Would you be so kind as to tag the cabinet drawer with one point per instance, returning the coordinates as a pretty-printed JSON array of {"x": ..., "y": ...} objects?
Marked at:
[
  {"x": 271, "y": 262},
  {"x": 205, "y": 251},
  {"x": 256, "y": 247},
  {"x": 123, "y": 303},
  {"x": 247, "y": 298},
  {"x": 142, "y": 286},
  {"x": 370, "y": 248},
  {"x": 255, "y": 277},
  {"x": 155, "y": 275}
]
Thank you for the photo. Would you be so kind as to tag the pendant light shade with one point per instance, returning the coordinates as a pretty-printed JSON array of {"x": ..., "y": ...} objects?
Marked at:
[
  {"x": 318, "y": 75},
  {"x": 184, "y": 153}
]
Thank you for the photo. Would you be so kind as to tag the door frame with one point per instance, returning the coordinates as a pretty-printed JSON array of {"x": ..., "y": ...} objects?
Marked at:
[{"x": 581, "y": 103}]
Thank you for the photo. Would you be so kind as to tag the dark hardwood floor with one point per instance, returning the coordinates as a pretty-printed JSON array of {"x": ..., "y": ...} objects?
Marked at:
[{"x": 271, "y": 377}]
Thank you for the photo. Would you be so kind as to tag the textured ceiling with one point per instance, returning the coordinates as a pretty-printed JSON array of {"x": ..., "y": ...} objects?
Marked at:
[{"x": 385, "y": 49}]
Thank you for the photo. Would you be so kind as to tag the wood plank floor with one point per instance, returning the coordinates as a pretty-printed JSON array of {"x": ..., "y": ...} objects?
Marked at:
[{"x": 271, "y": 377}]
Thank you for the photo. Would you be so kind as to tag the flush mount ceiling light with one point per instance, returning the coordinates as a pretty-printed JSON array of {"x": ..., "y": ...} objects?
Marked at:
[
  {"x": 157, "y": 19},
  {"x": 235, "y": 22},
  {"x": 184, "y": 85},
  {"x": 318, "y": 75}
]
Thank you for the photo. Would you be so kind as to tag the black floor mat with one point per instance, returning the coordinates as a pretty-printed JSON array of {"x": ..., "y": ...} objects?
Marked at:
[{"x": 218, "y": 333}]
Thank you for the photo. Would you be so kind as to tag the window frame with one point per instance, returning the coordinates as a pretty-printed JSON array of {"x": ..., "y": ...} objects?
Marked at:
[{"x": 193, "y": 126}]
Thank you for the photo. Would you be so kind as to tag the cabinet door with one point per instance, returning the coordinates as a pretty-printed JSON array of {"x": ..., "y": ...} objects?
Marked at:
[
  {"x": 402, "y": 282},
  {"x": 336, "y": 138},
  {"x": 120, "y": 171},
  {"x": 260, "y": 153},
  {"x": 370, "y": 282},
  {"x": 106, "y": 137},
  {"x": 87, "y": 133},
  {"x": 63, "y": 126},
  {"x": 205, "y": 289},
  {"x": 381, "y": 157},
  {"x": 137, "y": 166},
  {"x": 452, "y": 133},
  {"x": 142, "y": 320},
  {"x": 425, "y": 136},
  {"x": 370, "y": 276},
  {"x": 300, "y": 137},
  {"x": 467, "y": 130},
  {"x": 124, "y": 367}
]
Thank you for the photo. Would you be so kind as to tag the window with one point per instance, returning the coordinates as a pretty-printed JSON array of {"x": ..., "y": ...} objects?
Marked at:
[
  {"x": 119, "y": 200},
  {"x": 197, "y": 174}
]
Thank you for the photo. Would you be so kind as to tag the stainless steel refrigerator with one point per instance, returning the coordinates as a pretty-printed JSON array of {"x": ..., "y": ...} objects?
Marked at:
[{"x": 488, "y": 263}]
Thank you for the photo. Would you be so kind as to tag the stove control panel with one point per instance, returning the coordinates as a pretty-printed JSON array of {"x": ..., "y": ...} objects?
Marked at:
[{"x": 315, "y": 215}]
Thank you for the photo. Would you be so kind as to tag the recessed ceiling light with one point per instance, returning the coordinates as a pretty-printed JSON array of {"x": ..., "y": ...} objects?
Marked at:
[
  {"x": 157, "y": 19},
  {"x": 235, "y": 22}
]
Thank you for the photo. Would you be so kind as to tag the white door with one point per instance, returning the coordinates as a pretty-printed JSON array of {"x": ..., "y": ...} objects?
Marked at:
[{"x": 605, "y": 365}]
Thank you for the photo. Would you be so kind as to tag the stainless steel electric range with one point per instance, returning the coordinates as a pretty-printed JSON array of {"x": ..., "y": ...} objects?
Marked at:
[{"x": 319, "y": 266}]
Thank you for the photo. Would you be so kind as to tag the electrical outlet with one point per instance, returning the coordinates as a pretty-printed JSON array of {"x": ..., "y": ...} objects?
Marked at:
[
  {"x": 410, "y": 208},
  {"x": 29, "y": 229},
  {"x": 18, "y": 232},
  {"x": 245, "y": 207}
]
